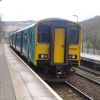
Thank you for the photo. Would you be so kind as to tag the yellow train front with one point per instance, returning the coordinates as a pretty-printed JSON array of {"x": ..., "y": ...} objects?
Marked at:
[{"x": 57, "y": 45}]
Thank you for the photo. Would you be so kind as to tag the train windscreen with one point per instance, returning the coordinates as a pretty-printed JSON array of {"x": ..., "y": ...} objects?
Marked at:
[
  {"x": 73, "y": 35},
  {"x": 43, "y": 33}
]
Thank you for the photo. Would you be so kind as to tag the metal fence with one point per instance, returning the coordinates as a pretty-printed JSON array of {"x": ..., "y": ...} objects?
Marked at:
[{"x": 90, "y": 50}]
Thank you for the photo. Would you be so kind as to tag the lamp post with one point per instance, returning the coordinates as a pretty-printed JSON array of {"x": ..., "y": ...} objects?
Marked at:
[
  {"x": 77, "y": 22},
  {"x": 76, "y": 17}
]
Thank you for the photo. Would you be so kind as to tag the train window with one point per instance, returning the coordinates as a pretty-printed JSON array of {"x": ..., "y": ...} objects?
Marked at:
[
  {"x": 73, "y": 35},
  {"x": 43, "y": 33},
  {"x": 18, "y": 35}
]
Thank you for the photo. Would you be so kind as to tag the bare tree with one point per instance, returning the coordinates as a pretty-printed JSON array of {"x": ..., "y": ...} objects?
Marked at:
[
  {"x": 94, "y": 38},
  {"x": 87, "y": 38},
  {"x": 91, "y": 34}
]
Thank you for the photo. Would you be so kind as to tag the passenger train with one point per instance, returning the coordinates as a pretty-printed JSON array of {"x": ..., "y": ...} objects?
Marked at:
[{"x": 53, "y": 44}]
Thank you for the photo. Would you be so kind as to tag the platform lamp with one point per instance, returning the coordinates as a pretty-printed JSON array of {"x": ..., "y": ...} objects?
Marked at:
[{"x": 76, "y": 17}]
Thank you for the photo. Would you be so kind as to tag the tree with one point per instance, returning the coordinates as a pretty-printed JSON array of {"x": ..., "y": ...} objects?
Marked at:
[
  {"x": 91, "y": 33},
  {"x": 94, "y": 39}
]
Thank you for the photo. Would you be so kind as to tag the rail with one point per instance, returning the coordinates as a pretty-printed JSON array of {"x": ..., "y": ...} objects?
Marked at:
[{"x": 86, "y": 97}]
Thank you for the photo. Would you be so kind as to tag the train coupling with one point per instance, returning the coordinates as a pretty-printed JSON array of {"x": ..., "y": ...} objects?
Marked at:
[
  {"x": 59, "y": 71},
  {"x": 72, "y": 69}
]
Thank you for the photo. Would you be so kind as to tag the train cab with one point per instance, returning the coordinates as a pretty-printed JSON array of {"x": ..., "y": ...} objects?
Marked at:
[{"x": 57, "y": 45}]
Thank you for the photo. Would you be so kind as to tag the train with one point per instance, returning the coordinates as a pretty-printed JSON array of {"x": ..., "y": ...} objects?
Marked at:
[{"x": 53, "y": 44}]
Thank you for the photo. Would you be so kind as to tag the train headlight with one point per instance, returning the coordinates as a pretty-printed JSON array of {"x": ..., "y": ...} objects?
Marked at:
[
  {"x": 73, "y": 56},
  {"x": 43, "y": 56}
]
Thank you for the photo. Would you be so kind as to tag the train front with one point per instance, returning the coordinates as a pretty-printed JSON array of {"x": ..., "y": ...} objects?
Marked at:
[{"x": 57, "y": 47}]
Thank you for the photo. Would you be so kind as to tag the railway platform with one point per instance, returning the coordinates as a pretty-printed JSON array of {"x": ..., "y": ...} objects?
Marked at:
[
  {"x": 90, "y": 57},
  {"x": 91, "y": 61},
  {"x": 18, "y": 81}
]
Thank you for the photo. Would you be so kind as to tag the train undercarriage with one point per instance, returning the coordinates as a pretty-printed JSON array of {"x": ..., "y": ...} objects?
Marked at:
[{"x": 56, "y": 70}]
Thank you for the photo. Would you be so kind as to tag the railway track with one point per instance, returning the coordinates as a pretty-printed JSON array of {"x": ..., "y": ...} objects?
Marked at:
[
  {"x": 68, "y": 91},
  {"x": 88, "y": 74},
  {"x": 89, "y": 70},
  {"x": 87, "y": 86},
  {"x": 86, "y": 97}
]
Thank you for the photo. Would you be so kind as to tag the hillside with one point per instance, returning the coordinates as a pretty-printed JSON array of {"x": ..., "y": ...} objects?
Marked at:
[
  {"x": 11, "y": 26},
  {"x": 91, "y": 32}
]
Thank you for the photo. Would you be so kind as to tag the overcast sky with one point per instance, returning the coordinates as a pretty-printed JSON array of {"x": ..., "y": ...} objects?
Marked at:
[{"x": 40, "y": 9}]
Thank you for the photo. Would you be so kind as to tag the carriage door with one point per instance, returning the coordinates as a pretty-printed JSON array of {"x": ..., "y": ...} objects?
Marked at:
[{"x": 59, "y": 42}]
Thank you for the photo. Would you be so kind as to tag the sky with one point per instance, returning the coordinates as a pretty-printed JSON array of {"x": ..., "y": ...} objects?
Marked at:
[{"x": 16, "y": 10}]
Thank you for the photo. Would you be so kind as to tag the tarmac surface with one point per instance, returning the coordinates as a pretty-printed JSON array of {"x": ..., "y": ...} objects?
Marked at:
[{"x": 6, "y": 86}]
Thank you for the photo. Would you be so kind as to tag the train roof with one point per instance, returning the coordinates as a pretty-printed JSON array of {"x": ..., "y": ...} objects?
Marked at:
[
  {"x": 56, "y": 19},
  {"x": 25, "y": 27}
]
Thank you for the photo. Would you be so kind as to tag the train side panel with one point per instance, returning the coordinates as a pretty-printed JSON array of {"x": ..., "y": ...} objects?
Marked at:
[
  {"x": 10, "y": 38},
  {"x": 14, "y": 41},
  {"x": 31, "y": 44},
  {"x": 18, "y": 42},
  {"x": 25, "y": 43},
  {"x": 21, "y": 45}
]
